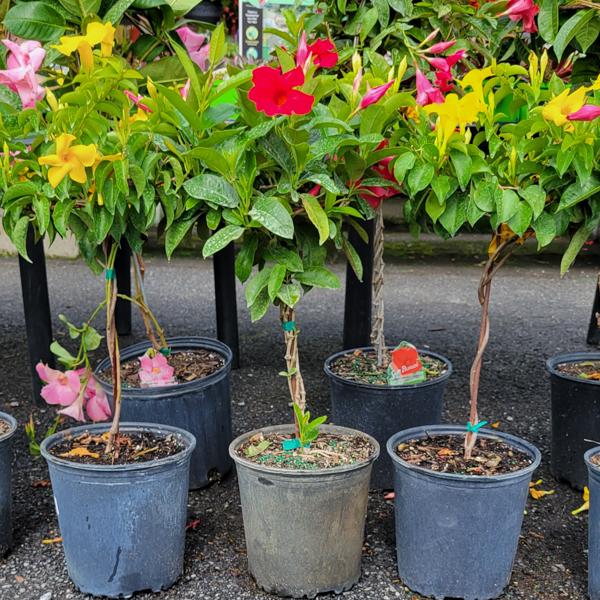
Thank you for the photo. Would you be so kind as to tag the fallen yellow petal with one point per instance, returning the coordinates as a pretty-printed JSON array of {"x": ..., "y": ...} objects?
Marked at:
[
  {"x": 586, "y": 502},
  {"x": 56, "y": 540},
  {"x": 79, "y": 452}
]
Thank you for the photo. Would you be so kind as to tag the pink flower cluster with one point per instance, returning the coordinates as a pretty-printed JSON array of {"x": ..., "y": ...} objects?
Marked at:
[
  {"x": 375, "y": 195},
  {"x": 155, "y": 371},
  {"x": 195, "y": 45},
  {"x": 23, "y": 62},
  {"x": 522, "y": 10},
  {"x": 75, "y": 390}
]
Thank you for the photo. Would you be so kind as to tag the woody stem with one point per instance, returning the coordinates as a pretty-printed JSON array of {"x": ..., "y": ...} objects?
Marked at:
[{"x": 377, "y": 329}]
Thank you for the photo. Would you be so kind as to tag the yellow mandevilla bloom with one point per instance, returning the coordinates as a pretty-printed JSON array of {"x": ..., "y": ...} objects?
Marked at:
[
  {"x": 96, "y": 33},
  {"x": 561, "y": 106},
  {"x": 69, "y": 160}
]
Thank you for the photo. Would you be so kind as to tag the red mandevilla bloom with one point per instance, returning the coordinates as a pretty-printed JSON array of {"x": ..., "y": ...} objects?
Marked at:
[
  {"x": 522, "y": 10},
  {"x": 274, "y": 93},
  {"x": 324, "y": 53}
]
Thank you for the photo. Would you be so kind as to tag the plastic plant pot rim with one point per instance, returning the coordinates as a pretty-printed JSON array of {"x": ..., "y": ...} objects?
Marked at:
[
  {"x": 176, "y": 343},
  {"x": 374, "y": 386},
  {"x": 301, "y": 473},
  {"x": 571, "y": 357},
  {"x": 13, "y": 426},
  {"x": 423, "y": 431},
  {"x": 187, "y": 438},
  {"x": 587, "y": 458}
]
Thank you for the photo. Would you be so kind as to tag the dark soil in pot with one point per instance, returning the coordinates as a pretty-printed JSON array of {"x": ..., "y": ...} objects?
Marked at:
[
  {"x": 305, "y": 526},
  {"x": 8, "y": 428},
  {"x": 575, "y": 397},
  {"x": 457, "y": 533},
  {"x": 122, "y": 525},
  {"x": 200, "y": 405},
  {"x": 359, "y": 401}
]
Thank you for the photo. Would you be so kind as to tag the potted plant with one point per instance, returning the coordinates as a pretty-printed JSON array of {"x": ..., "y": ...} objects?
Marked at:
[
  {"x": 8, "y": 427},
  {"x": 454, "y": 483},
  {"x": 82, "y": 171},
  {"x": 290, "y": 178}
]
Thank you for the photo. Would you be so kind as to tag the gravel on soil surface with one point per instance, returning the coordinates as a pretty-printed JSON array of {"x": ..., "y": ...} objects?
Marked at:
[{"x": 534, "y": 315}]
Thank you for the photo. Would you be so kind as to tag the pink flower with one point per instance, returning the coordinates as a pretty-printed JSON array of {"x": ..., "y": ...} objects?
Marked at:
[
  {"x": 23, "y": 61},
  {"x": 426, "y": 92},
  {"x": 444, "y": 80},
  {"x": 137, "y": 100},
  {"x": 375, "y": 195},
  {"x": 97, "y": 406},
  {"x": 440, "y": 47},
  {"x": 324, "y": 53},
  {"x": 185, "y": 90},
  {"x": 446, "y": 63},
  {"x": 75, "y": 411},
  {"x": 522, "y": 10},
  {"x": 588, "y": 112},
  {"x": 194, "y": 44},
  {"x": 155, "y": 370},
  {"x": 302, "y": 54},
  {"x": 61, "y": 388},
  {"x": 375, "y": 94}
]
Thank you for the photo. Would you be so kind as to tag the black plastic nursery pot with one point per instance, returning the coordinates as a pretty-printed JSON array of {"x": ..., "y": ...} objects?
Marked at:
[
  {"x": 123, "y": 526},
  {"x": 202, "y": 407},
  {"x": 593, "y": 525},
  {"x": 208, "y": 11},
  {"x": 457, "y": 535},
  {"x": 304, "y": 529},
  {"x": 382, "y": 410},
  {"x": 6, "y": 460},
  {"x": 575, "y": 418}
]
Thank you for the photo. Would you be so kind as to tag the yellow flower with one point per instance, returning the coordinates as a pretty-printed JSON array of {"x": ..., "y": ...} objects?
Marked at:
[
  {"x": 96, "y": 33},
  {"x": 537, "y": 494},
  {"x": 140, "y": 115},
  {"x": 586, "y": 502},
  {"x": 561, "y": 106},
  {"x": 69, "y": 160}
]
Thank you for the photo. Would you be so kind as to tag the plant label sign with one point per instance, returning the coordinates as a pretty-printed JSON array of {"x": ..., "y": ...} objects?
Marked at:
[
  {"x": 405, "y": 367},
  {"x": 258, "y": 19}
]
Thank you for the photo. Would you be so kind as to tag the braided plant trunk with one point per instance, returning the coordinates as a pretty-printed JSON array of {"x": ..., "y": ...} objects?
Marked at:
[
  {"x": 292, "y": 361},
  {"x": 377, "y": 329},
  {"x": 495, "y": 261}
]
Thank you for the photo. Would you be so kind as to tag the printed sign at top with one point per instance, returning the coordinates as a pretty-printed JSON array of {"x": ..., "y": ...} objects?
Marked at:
[{"x": 256, "y": 18}]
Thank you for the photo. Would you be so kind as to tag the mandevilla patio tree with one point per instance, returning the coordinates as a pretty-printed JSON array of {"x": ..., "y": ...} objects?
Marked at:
[{"x": 535, "y": 176}]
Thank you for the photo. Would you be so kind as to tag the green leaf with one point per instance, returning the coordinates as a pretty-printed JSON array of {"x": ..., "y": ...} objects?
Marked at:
[
  {"x": 63, "y": 355},
  {"x": 212, "y": 188},
  {"x": 260, "y": 306},
  {"x": 455, "y": 215},
  {"x": 121, "y": 168},
  {"x": 276, "y": 281},
  {"x": 245, "y": 258},
  {"x": 138, "y": 178},
  {"x": 91, "y": 338},
  {"x": 175, "y": 234},
  {"x": 578, "y": 192},
  {"x": 19, "y": 190},
  {"x": 270, "y": 213},
  {"x": 535, "y": 196},
  {"x": 579, "y": 238},
  {"x": 221, "y": 238},
  {"x": 317, "y": 216},
  {"x": 487, "y": 195},
  {"x": 290, "y": 294},
  {"x": 462, "y": 166},
  {"x": 383, "y": 11},
  {"x": 115, "y": 13},
  {"x": 403, "y": 163},
  {"x": 442, "y": 186},
  {"x": 521, "y": 220},
  {"x": 217, "y": 45},
  {"x": 286, "y": 257},
  {"x": 353, "y": 258},
  {"x": 420, "y": 177},
  {"x": 41, "y": 208},
  {"x": 507, "y": 205},
  {"x": 35, "y": 21},
  {"x": 257, "y": 284},
  {"x": 81, "y": 8},
  {"x": 18, "y": 236},
  {"x": 570, "y": 29},
  {"x": 318, "y": 277},
  {"x": 588, "y": 34},
  {"x": 548, "y": 20},
  {"x": 545, "y": 229},
  {"x": 433, "y": 208}
]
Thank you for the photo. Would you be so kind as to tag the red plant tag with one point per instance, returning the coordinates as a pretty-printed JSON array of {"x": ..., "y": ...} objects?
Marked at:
[{"x": 406, "y": 360}]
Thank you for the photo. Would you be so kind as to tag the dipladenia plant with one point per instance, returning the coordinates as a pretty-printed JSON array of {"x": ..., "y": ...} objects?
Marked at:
[
  {"x": 530, "y": 169},
  {"x": 291, "y": 178}
]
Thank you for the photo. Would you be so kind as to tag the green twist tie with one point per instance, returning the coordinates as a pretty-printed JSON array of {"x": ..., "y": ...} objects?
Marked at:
[
  {"x": 110, "y": 274},
  {"x": 477, "y": 427},
  {"x": 289, "y": 325},
  {"x": 165, "y": 351}
]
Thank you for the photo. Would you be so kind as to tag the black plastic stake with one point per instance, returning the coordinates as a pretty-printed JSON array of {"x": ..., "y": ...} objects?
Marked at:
[
  {"x": 123, "y": 273},
  {"x": 36, "y": 305},
  {"x": 593, "y": 336},
  {"x": 357, "y": 310},
  {"x": 225, "y": 300}
]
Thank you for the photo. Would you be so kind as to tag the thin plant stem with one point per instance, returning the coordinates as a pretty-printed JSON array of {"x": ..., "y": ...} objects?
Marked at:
[{"x": 377, "y": 330}]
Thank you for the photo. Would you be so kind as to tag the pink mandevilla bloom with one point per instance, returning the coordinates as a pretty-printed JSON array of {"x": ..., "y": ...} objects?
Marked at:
[
  {"x": 440, "y": 47},
  {"x": 97, "y": 406},
  {"x": 155, "y": 370},
  {"x": 23, "y": 61},
  {"x": 589, "y": 112},
  {"x": 302, "y": 54},
  {"x": 375, "y": 94},
  {"x": 185, "y": 90},
  {"x": 426, "y": 92},
  {"x": 61, "y": 388},
  {"x": 522, "y": 10},
  {"x": 137, "y": 100},
  {"x": 194, "y": 44}
]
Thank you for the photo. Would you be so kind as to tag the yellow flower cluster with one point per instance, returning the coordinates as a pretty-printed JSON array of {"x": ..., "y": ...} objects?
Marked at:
[{"x": 96, "y": 33}]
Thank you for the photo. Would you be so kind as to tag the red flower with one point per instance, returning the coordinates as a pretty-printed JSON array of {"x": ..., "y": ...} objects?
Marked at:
[
  {"x": 375, "y": 195},
  {"x": 522, "y": 10},
  {"x": 444, "y": 80},
  {"x": 274, "y": 93},
  {"x": 324, "y": 53}
]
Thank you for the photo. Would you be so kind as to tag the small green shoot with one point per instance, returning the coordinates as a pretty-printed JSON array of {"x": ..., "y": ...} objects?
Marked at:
[{"x": 308, "y": 430}]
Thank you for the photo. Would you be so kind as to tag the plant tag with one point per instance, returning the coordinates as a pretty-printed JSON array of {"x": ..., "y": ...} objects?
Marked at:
[
  {"x": 406, "y": 367},
  {"x": 293, "y": 444}
]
